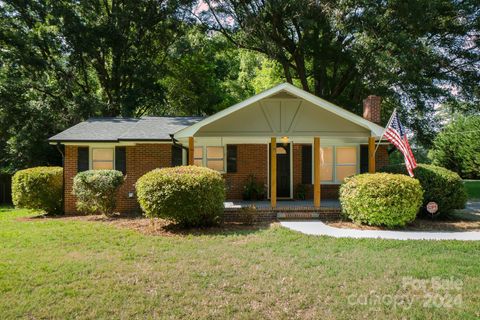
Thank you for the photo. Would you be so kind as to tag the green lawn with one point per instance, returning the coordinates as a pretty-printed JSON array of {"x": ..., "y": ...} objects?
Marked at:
[
  {"x": 64, "y": 269},
  {"x": 473, "y": 188}
]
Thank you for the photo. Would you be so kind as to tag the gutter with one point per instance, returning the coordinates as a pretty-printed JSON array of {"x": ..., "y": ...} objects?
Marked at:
[{"x": 176, "y": 143}]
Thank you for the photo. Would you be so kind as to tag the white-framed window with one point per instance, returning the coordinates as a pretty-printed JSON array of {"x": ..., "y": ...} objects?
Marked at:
[
  {"x": 103, "y": 158},
  {"x": 212, "y": 157},
  {"x": 326, "y": 164},
  {"x": 216, "y": 158},
  {"x": 337, "y": 163},
  {"x": 345, "y": 162},
  {"x": 198, "y": 156}
]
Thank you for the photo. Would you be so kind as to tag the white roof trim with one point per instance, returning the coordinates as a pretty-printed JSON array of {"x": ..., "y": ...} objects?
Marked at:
[{"x": 375, "y": 129}]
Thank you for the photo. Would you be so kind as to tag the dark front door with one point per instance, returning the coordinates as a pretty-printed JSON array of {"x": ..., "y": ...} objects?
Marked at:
[{"x": 283, "y": 170}]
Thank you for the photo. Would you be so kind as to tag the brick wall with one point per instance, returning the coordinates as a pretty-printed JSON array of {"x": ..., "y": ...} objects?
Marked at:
[
  {"x": 372, "y": 108},
  {"x": 251, "y": 159},
  {"x": 381, "y": 157},
  {"x": 140, "y": 159}
]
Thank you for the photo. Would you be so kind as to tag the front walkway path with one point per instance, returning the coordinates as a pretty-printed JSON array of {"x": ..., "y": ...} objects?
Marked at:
[{"x": 320, "y": 228}]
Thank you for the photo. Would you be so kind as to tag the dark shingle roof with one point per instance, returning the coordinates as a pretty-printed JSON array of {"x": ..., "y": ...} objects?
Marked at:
[{"x": 125, "y": 129}]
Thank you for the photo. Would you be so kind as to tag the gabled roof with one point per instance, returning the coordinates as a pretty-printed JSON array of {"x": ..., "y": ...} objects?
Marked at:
[
  {"x": 125, "y": 129},
  {"x": 375, "y": 129}
]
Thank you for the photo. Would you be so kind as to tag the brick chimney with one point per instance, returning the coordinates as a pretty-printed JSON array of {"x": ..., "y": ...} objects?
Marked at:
[{"x": 372, "y": 108}]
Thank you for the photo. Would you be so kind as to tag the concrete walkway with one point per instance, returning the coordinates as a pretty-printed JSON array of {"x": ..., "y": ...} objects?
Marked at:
[{"x": 320, "y": 228}]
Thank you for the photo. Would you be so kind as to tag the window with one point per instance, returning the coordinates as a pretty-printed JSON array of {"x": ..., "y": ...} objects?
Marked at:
[
  {"x": 326, "y": 164},
  {"x": 215, "y": 158},
  {"x": 102, "y": 158},
  {"x": 198, "y": 156},
  {"x": 346, "y": 162},
  {"x": 337, "y": 163}
]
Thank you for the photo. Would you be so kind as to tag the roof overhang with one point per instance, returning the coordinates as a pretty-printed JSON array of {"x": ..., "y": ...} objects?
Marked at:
[{"x": 375, "y": 130}]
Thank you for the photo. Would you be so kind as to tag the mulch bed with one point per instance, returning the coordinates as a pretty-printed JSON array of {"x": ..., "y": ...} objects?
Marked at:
[{"x": 154, "y": 226}]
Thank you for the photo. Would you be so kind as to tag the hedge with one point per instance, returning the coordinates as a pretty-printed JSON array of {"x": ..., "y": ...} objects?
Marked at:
[
  {"x": 39, "y": 188},
  {"x": 96, "y": 190},
  {"x": 381, "y": 199},
  {"x": 187, "y": 195},
  {"x": 440, "y": 185}
]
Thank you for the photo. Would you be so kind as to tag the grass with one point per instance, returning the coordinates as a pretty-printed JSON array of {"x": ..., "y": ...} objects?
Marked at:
[
  {"x": 64, "y": 269},
  {"x": 473, "y": 189}
]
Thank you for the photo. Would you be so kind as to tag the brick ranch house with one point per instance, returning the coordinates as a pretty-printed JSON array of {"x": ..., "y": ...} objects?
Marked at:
[{"x": 284, "y": 136}]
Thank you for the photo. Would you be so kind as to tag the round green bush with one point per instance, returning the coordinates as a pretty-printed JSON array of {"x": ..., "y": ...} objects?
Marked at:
[
  {"x": 39, "y": 188},
  {"x": 188, "y": 195},
  {"x": 96, "y": 190},
  {"x": 440, "y": 185},
  {"x": 381, "y": 199}
]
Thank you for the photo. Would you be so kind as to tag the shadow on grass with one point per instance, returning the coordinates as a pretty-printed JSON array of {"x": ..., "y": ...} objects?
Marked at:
[{"x": 156, "y": 226}]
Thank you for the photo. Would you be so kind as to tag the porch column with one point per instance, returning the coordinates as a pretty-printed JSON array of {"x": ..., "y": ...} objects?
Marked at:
[
  {"x": 316, "y": 172},
  {"x": 191, "y": 151},
  {"x": 371, "y": 155},
  {"x": 273, "y": 172}
]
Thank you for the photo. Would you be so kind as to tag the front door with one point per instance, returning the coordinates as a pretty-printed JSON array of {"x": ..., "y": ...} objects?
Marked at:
[{"x": 283, "y": 170}]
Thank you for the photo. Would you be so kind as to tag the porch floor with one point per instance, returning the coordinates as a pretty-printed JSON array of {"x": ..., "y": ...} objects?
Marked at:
[{"x": 287, "y": 205}]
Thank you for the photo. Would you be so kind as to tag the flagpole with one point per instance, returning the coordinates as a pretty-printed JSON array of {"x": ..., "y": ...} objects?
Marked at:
[{"x": 388, "y": 124}]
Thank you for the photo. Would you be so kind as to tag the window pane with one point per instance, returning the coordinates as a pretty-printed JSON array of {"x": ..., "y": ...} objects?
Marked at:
[
  {"x": 215, "y": 164},
  {"x": 346, "y": 155},
  {"x": 326, "y": 172},
  {"x": 215, "y": 152},
  {"x": 326, "y": 155},
  {"x": 198, "y": 162},
  {"x": 102, "y": 165},
  {"x": 102, "y": 154},
  {"x": 345, "y": 171},
  {"x": 198, "y": 153}
]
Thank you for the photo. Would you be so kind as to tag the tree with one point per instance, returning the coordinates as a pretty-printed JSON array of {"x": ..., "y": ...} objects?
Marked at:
[
  {"x": 202, "y": 75},
  {"x": 64, "y": 61},
  {"x": 457, "y": 147},
  {"x": 413, "y": 53}
]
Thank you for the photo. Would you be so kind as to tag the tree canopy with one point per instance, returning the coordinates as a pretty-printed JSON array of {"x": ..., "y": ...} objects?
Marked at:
[{"x": 64, "y": 61}]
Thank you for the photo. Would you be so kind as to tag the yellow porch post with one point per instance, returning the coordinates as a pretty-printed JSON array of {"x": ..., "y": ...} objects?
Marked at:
[
  {"x": 191, "y": 150},
  {"x": 273, "y": 172},
  {"x": 371, "y": 154},
  {"x": 316, "y": 172}
]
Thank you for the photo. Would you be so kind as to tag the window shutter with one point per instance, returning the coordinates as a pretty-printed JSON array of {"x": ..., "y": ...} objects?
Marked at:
[
  {"x": 363, "y": 158},
  {"x": 121, "y": 159},
  {"x": 82, "y": 159},
  {"x": 231, "y": 158},
  {"x": 307, "y": 164},
  {"x": 177, "y": 156}
]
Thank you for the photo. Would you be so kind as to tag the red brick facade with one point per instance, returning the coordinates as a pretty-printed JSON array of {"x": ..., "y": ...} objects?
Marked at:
[
  {"x": 140, "y": 159},
  {"x": 252, "y": 159},
  {"x": 372, "y": 109}
]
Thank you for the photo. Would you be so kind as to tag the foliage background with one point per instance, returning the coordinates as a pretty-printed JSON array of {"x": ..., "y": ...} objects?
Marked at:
[{"x": 64, "y": 61}]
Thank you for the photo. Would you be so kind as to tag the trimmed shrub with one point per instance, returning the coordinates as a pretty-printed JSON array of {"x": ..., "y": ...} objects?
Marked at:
[
  {"x": 39, "y": 188},
  {"x": 188, "y": 195},
  {"x": 96, "y": 190},
  {"x": 381, "y": 199},
  {"x": 440, "y": 185}
]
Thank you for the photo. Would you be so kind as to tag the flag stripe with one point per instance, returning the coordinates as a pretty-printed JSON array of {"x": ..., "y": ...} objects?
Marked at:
[{"x": 395, "y": 133}]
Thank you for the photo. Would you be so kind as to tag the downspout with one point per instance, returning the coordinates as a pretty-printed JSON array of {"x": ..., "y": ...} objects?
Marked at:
[
  {"x": 176, "y": 143},
  {"x": 63, "y": 175}
]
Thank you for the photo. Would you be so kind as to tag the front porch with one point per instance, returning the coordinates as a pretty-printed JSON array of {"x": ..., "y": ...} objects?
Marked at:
[
  {"x": 289, "y": 205},
  {"x": 263, "y": 211}
]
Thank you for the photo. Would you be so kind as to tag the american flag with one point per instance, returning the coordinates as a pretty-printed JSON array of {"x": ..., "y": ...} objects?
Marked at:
[{"x": 395, "y": 133}]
